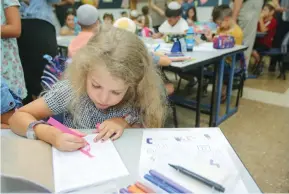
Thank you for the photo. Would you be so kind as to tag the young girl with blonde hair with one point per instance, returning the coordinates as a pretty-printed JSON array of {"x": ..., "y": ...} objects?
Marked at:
[{"x": 111, "y": 81}]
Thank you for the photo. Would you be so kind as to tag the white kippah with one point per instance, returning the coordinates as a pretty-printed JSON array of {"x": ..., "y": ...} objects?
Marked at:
[
  {"x": 87, "y": 15},
  {"x": 126, "y": 24},
  {"x": 174, "y": 5},
  {"x": 134, "y": 13}
]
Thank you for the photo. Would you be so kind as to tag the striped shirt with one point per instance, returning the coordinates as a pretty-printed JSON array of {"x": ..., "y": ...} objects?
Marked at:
[
  {"x": 38, "y": 9},
  {"x": 84, "y": 114}
]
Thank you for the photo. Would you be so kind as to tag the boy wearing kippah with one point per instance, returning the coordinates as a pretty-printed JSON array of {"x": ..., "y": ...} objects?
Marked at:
[
  {"x": 174, "y": 24},
  {"x": 87, "y": 16}
]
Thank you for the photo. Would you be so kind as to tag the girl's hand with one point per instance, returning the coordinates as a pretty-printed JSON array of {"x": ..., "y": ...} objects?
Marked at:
[
  {"x": 69, "y": 142},
  {"x": 111, "y": 127},
  {"x": 209, "y": 35}
]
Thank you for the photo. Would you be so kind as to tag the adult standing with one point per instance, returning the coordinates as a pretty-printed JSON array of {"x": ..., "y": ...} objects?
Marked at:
[
  {"x": 38, "y": 37},
  {"x": 157, "y": 12},
  {"x": 247, "y": 13},
  {"x": 282, "y": 17}
]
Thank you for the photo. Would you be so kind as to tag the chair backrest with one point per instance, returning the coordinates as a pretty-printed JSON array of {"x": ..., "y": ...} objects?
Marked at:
[{"x": 285, "y": 44}]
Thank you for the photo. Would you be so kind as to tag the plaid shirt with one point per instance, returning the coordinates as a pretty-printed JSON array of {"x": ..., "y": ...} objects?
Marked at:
[{"x": 85, "y": 115}]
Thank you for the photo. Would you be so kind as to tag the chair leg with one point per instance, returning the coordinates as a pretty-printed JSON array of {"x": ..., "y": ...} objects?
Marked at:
[
  {"x": 176, "y": 76},
  {"x": 175, "y": 115},
  {"x": 179, "y": 85},
  {"x": 240, "y": 90}
]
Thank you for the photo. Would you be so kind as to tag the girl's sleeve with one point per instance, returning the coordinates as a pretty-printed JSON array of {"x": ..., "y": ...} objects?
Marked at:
[
  {"x": 59, "y": 97},
  {"x": 133, "y": 116},
  {"x": 10, "y": 3}
]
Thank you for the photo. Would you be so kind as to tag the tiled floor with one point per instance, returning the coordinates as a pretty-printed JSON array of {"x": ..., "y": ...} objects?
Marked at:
[{"x": 259, "y": 131}]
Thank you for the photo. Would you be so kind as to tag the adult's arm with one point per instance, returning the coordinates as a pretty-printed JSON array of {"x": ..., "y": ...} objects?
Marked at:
[
  {"x": 156, "y": 8},
  {"x": 236, "y": 8}
]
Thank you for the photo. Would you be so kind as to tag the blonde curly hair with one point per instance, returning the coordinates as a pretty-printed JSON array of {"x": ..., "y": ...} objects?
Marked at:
[{"x": 126, "y": 57}]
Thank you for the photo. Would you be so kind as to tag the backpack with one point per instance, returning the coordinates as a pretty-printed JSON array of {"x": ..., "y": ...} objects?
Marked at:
[{"x": 53, "y": 70}]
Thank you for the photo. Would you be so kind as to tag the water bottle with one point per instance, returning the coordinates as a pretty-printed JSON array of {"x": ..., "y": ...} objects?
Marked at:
[{"x": 190, "y": 41}]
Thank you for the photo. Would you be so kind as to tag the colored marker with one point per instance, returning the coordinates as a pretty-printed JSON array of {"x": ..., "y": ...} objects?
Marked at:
[
  {"x": 200, "y": 178},
  {"x": 134, "y": 189},
  {"x": 176, "y": 186},
  {"x": 65, "y": 129},
  {"x": 124, "y": 191},
  {"x": 160, "y": 184},
  {"x": 143, "y": 187}
]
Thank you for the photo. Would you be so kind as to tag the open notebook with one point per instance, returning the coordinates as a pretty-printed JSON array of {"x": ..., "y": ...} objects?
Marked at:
[{"x": 57, "y": 171}]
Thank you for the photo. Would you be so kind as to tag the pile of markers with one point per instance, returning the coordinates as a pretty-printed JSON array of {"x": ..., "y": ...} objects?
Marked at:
[{"x": 160, "y": 181}]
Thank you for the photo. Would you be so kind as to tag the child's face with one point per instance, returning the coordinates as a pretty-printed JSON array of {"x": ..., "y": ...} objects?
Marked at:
[
  {"x": 173, "y": 20},
  {"x": 107, "y": 20},
  {"x": 266, "y": 12},
  {"x": 103, "y": 89},
  {"x": 191, "y": 13},
  {"x": 70, "y": 21},
  {"x": 224, "y": 24}
]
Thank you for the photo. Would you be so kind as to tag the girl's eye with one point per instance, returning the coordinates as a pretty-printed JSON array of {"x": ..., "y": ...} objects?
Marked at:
[
  {"x": 116, "y": 93},
  {"x": 94, "y": 86}
]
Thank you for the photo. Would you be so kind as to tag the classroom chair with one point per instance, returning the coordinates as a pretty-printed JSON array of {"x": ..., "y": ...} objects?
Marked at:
[{"x": 281, "y": 52}]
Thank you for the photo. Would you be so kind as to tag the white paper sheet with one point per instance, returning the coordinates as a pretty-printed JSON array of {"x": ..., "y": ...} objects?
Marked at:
[
  {"x": 201, "y": 151},
  {"x": 74, "y": 170}
]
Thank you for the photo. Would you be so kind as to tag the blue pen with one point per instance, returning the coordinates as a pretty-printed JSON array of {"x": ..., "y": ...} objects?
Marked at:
[
  {"x": 160, "y": 184},
  {"x": 169, "y": 182},
  {"x": 159, "y": 45}
]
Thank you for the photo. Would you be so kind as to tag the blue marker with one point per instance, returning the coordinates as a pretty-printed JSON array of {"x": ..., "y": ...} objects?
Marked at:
[
  {"x": 158, "y": 183},
  {"x": 167, "y": 181}
]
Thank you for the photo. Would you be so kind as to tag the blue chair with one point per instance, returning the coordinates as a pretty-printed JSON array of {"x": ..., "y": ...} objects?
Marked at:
[{"x": 282, "y": 52}]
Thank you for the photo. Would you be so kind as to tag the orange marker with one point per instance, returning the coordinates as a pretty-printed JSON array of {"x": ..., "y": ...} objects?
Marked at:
[
  {"x": 143, "y": 187},
  {"x": 134, "y": 189}
]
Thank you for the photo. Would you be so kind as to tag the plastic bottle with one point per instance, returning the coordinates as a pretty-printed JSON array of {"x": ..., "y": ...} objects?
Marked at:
[{"x": 190, "y": 41}]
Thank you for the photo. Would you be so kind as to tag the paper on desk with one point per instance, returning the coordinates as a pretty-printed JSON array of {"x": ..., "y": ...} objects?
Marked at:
[
  {"x": 196, "y": 151},
  {"x": 73, "y": 170},
  {"x": 206, "y": 46}
]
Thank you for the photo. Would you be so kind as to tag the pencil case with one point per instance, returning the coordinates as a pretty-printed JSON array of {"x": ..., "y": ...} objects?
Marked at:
[{"x": 223, "y": 42}]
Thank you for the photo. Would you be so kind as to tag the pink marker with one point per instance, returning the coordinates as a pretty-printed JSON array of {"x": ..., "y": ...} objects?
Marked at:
[
  {"x": 97, "y": 125},
  {"x": 65, "y": 129}
]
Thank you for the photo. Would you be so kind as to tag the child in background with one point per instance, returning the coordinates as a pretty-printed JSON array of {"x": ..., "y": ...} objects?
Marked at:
[
  {"x": 267, "y": 23},
  {"x": 108, "y": 19},
  {"x": 191, "y": 16},
  {"x": 134, "y": 16},
  {"x": 186, "y": 5},
  {"x": 87, "y": 16},
  {"x": 158, "y": 59},
  {"x": 111, "y": 81},
  {"x": 13, "y": 89},
  {"x": 68, "y": 29},
  {"x": 146, "y": 19},
  {"x": 222, "y": 16},
  {"x": 174, "y": 24}
]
